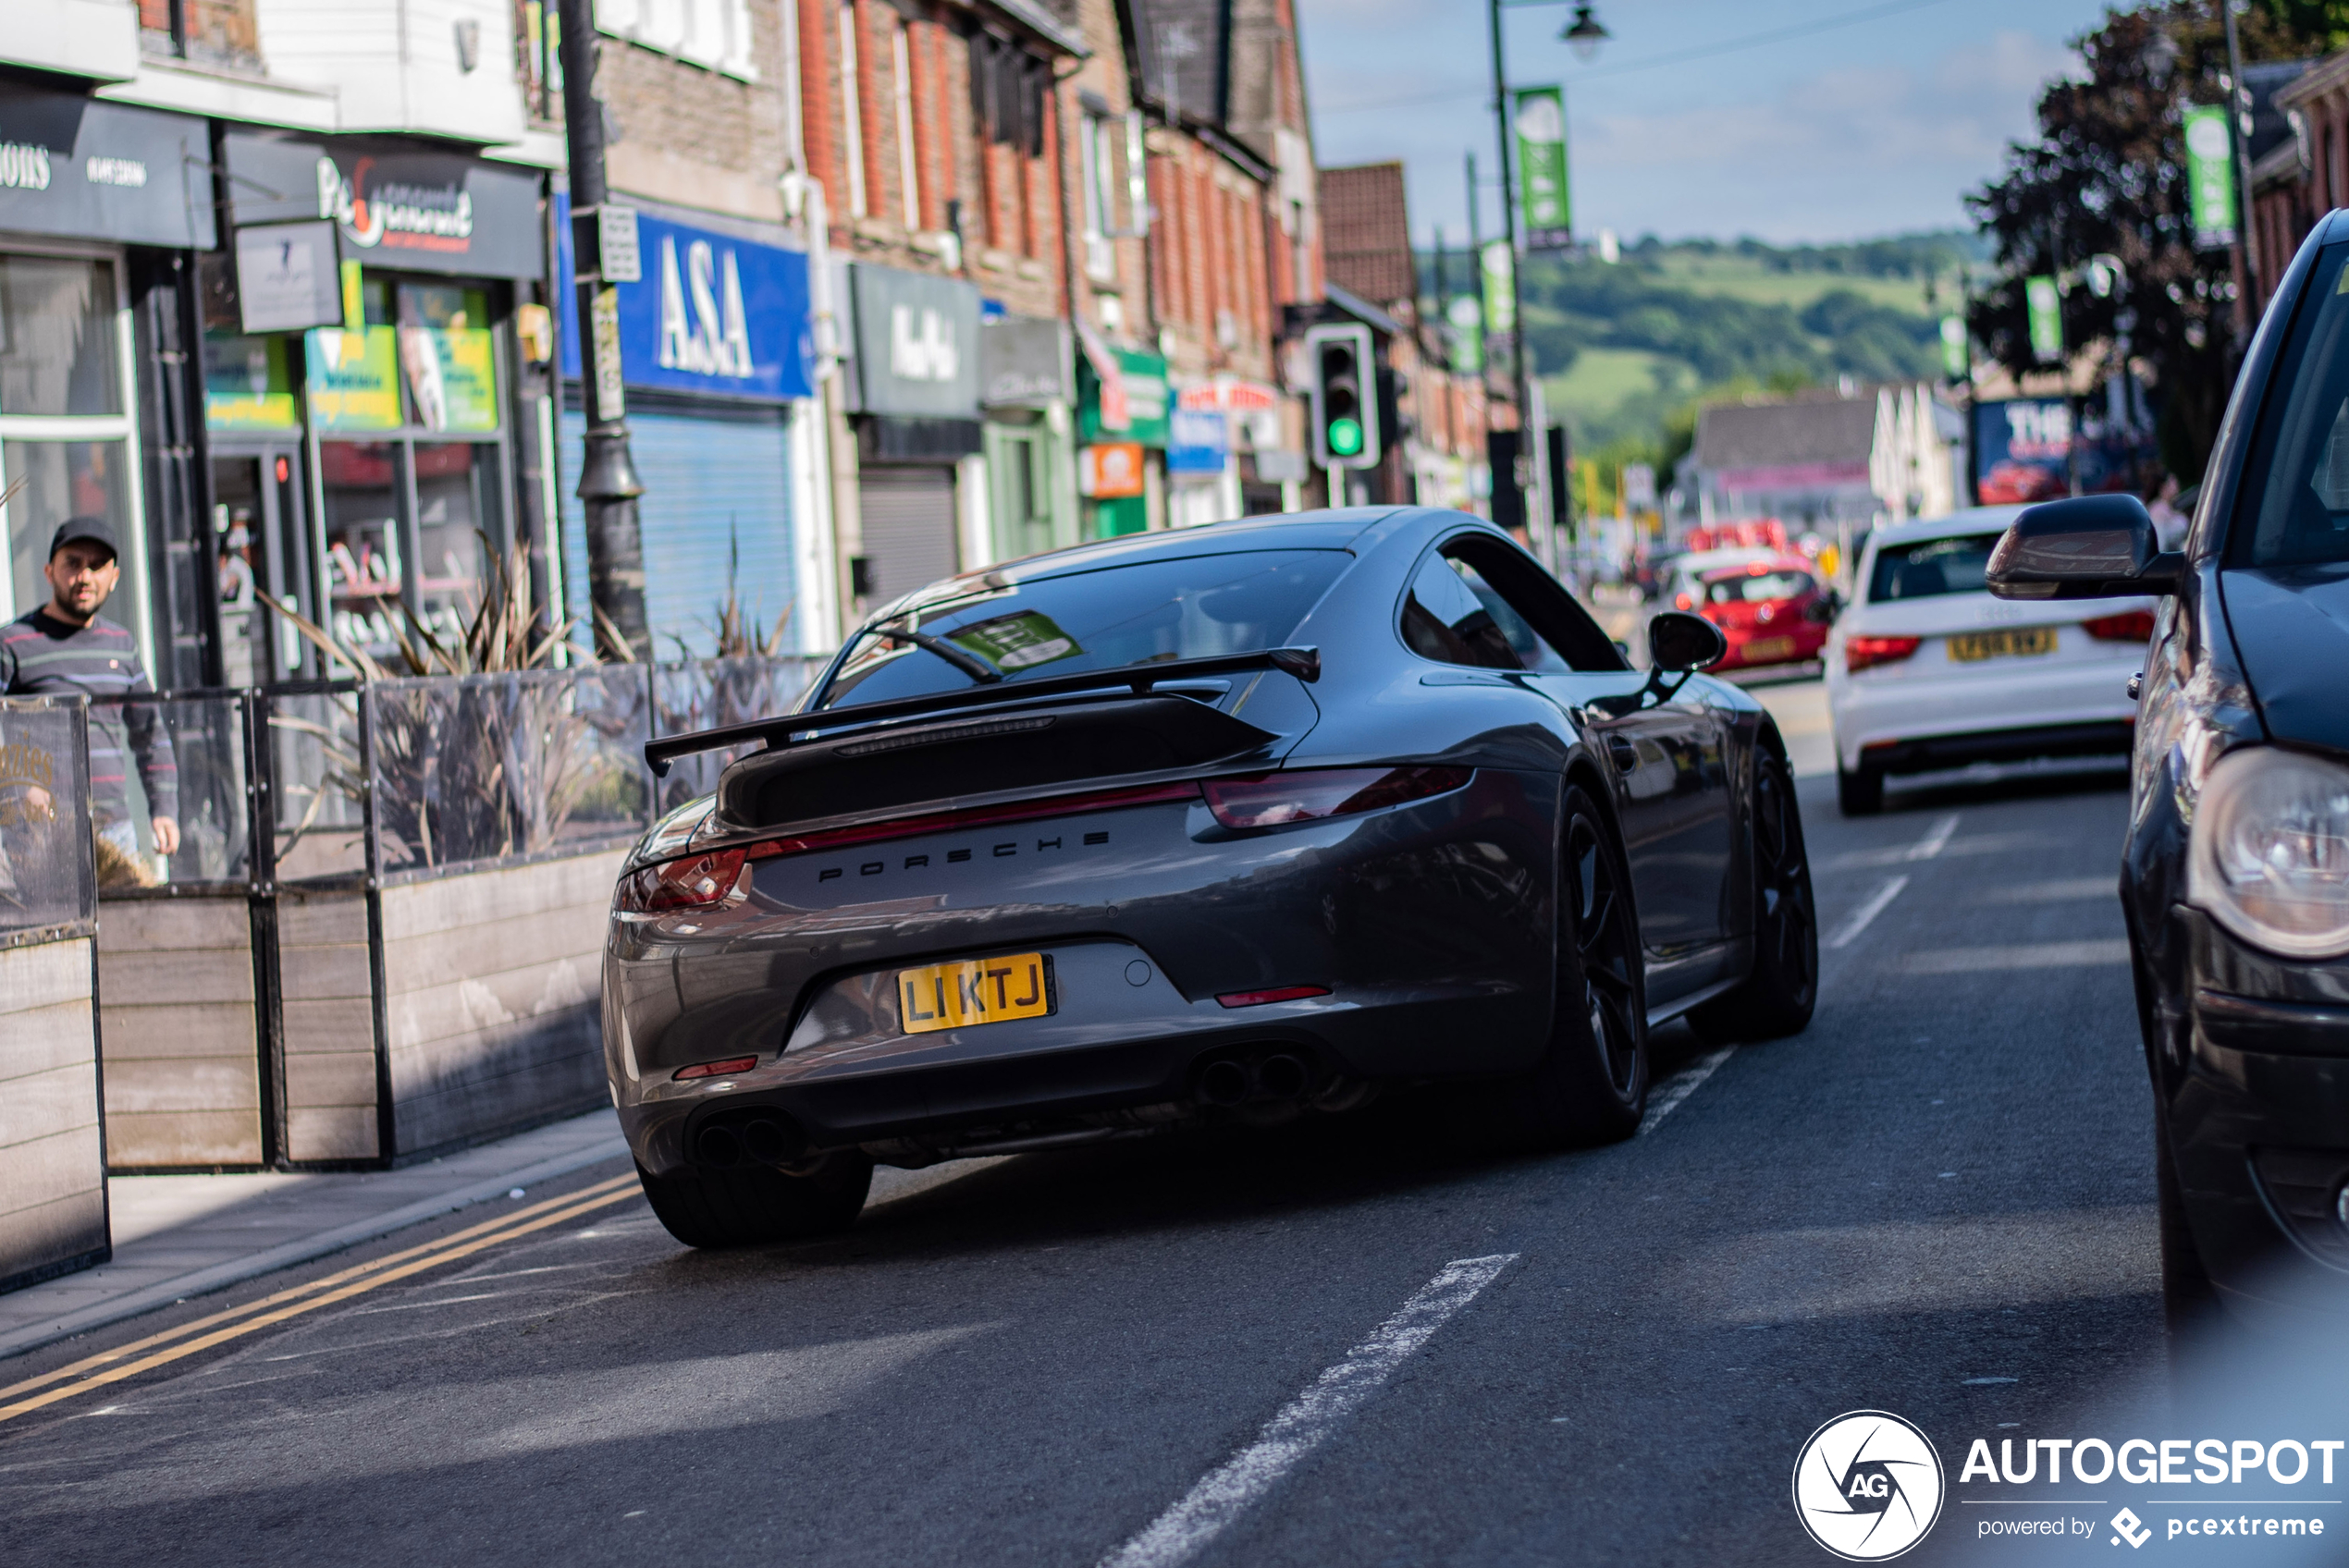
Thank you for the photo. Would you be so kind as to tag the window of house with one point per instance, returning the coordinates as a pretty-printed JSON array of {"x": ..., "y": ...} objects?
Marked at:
[
  {"x": 852, "y": 113},
  {"x": 715, "y": 34},
  {"x": 908, "y": 178},
  {"x": 1097, "y": 144}
]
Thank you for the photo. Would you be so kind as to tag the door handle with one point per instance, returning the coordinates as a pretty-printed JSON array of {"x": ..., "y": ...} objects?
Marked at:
[{"x": 1626, "y": 755}]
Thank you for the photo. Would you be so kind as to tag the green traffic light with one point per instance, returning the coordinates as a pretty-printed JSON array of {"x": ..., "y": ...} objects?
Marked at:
[{"x": 1345, "y": 437}]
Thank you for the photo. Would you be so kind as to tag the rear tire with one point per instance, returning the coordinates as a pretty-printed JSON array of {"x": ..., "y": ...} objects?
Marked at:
[
  {"x": 745, "y": 1206},
  {"x": 1779, "y": 995},
  {"x": 1860, "y": 794},
  {"x": 1592, "y": 1087}
]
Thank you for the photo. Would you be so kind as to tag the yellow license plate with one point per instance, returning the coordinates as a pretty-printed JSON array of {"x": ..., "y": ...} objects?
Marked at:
[
  {"x": 972, "y": 991},
  {"x": 1977, "y": 645},
  {"x": 1769, "y": 648}
]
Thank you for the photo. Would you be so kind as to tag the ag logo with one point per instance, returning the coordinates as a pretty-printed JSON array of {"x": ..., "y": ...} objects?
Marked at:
[{"x": 1868, "y": 1485}]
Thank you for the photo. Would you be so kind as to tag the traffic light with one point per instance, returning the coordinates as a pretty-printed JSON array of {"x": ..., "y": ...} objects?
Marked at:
[{"x": 1347, "y": 431}]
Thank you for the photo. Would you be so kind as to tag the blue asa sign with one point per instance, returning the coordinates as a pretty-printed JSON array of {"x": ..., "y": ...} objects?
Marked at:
[{"x": 713, "y": 313}]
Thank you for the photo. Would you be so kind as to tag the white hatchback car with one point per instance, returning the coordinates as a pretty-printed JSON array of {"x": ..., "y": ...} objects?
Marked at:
[{"x": 1925, "y": 670}]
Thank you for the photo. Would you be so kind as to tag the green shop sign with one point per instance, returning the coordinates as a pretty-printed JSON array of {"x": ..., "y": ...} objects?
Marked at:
[{"x": 1134, "y": 406}]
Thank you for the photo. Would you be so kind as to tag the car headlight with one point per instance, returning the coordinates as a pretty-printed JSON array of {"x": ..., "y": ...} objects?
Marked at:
[{"x": 2269, "y": 852}]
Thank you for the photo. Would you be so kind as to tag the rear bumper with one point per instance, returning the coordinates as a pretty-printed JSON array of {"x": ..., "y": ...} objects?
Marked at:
[
  {"x": 1936, "y": 712},
  {"x": 1929, "y": 753},
  {"x": 1430, "y": 924}
]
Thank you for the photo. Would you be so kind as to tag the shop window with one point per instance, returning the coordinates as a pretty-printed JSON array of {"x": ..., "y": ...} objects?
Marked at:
[
  {"x": 457, "y": 496},
  {"x": 218, "y": 31},
  {"x": 62, "y": 479},
  {"x": 448, "y": 357},
  {"x": 358, "y": 495},
  {"x": 57, "y": 347}
]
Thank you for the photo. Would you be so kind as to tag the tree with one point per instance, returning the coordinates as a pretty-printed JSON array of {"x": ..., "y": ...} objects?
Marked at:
[{"x": 2108, "y": 175}]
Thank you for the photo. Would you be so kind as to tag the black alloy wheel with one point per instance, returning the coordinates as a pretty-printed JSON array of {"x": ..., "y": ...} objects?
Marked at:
[
  {"x": 1782, "y": 989},
  {"x": 1592, "y": 1087}
]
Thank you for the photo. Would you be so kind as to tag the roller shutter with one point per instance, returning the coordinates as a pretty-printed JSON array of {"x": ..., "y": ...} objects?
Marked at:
[
  {"x": 716, "y": 484},
  {"x": 908, "y": 527}
]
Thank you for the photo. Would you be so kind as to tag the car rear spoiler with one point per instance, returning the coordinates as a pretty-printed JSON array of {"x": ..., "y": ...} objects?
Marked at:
[{"x": 1303, "y": 663}]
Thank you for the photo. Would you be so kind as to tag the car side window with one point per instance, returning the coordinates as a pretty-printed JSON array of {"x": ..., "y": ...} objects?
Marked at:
[
  {"x": 1455, "y": 615},
  {"x": 1445, "y": 620}
]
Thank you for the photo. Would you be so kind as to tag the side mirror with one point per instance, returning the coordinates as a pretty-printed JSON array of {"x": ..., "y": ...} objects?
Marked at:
[
  {"x": 1679, "y": 642},
  {"x": 2085, "y": 548}
]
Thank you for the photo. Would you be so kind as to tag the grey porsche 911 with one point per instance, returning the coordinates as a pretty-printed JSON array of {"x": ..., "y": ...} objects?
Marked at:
[{"x": 1230, "y": 823}]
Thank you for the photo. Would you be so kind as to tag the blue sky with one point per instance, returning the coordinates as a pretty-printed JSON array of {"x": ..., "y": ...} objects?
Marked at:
[{"x": 1877, "y": 126}]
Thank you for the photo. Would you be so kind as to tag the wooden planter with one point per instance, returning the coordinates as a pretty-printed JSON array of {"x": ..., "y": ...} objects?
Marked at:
[{"x": 52, "y": 1151}]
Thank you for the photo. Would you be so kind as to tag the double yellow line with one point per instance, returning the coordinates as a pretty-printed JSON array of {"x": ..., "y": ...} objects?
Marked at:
[{"x": 158, "y": 1350}]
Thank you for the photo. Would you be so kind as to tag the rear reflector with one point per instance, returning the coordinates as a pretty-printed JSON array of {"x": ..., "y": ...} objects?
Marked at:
[
  {"x": 1277, "y": 994},
  {"x": 1267, "y": 800},
  {"x": 2132, "y": 626},
  {"x": 1861, "y": 652},
  {"x": 725, "y": 1069}
]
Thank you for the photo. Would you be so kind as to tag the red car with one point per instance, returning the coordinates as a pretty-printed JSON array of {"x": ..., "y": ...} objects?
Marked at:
[{"x": 1772, "y": 612}]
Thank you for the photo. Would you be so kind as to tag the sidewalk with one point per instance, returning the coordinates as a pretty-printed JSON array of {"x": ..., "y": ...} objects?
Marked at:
[{"x": 180, "y": 1236}]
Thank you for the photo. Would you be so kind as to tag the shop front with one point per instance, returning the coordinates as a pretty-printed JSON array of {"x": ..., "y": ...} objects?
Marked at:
[
  {"x": 914, "y": 384},
  {"x": 1123, "y": 430},
  {"x": 1025, "y": 388},
  {"x": 101, "y": 205},
  {"x": 363, "y": 403},
  {"x": 714, "y": 353}
]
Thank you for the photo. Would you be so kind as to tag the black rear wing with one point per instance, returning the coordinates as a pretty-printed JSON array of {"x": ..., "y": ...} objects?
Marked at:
[{"x": 1303, "y": 663}]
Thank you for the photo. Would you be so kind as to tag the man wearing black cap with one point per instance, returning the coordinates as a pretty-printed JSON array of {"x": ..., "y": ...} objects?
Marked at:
[{"x": 66, "y": 645}]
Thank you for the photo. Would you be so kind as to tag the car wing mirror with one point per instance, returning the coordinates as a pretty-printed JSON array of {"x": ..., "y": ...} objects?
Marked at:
[
  {"x": 2084, "y": 547},
  {"x": 1679, "y": 646}
]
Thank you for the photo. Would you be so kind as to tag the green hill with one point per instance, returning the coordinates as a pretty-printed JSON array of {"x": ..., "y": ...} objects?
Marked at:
[{"x": 1626, "y": 349}]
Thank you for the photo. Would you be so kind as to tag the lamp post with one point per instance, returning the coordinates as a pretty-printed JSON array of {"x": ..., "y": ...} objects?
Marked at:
[
  {"x": 607, "y": 482},
  {"x": 1584, "y": 35}
]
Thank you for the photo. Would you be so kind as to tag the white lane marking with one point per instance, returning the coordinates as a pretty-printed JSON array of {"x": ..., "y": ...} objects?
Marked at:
[
  {"x": 1857, "y": 921},
  {"x": 1680, "y": 1086},
  {"x": 1937, "y": 836},
  {"x": 1224, "y": 1493},
  {"x": 2043, "y": 955}
]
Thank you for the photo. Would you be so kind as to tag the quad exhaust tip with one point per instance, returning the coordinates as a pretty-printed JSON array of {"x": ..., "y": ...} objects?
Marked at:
[
  {"x": 1232, "y": 1081},
  {"x": 761, "y": 1140}
]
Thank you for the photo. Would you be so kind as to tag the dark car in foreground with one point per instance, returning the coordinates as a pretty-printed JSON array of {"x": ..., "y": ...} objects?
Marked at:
[
  {"x": 2236, "y": 872},
  {"x": 1239, "y": 824}
]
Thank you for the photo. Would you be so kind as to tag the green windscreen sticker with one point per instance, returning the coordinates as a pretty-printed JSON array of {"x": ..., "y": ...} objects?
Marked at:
[{"x": 1019, "y": 640}]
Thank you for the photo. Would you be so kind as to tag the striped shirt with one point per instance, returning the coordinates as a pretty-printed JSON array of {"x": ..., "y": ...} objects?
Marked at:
[{"x": 42, "y": 655}]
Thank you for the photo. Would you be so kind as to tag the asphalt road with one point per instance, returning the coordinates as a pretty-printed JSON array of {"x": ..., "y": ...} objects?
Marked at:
[{"x": 1378, "y": 1342}]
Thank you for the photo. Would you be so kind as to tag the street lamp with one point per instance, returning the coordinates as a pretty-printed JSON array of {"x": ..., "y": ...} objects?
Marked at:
[{"x": 1584, "y": 34}]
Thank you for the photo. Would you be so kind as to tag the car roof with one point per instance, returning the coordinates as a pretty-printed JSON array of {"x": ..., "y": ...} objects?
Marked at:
[
  {"x": 1956, "y": 525},
  {"x": 1700, "y": 561}
]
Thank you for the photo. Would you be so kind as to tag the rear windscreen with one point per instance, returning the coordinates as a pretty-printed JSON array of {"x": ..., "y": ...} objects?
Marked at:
[
  {"x": 1151, "y": 611},
  {"x": 1929, "y": 566},
  {"x": 1756, "y": 588}
]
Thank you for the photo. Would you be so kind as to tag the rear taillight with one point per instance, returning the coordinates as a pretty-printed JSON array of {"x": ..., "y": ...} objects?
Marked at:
[
  {"x": 1862, "y": 652},
  {"x": 725, "y": 1069},
  {"x": 1270, "y": 799},
  {"x": 690, "y": 882},
  {"x": 2131, "y": 626}
]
